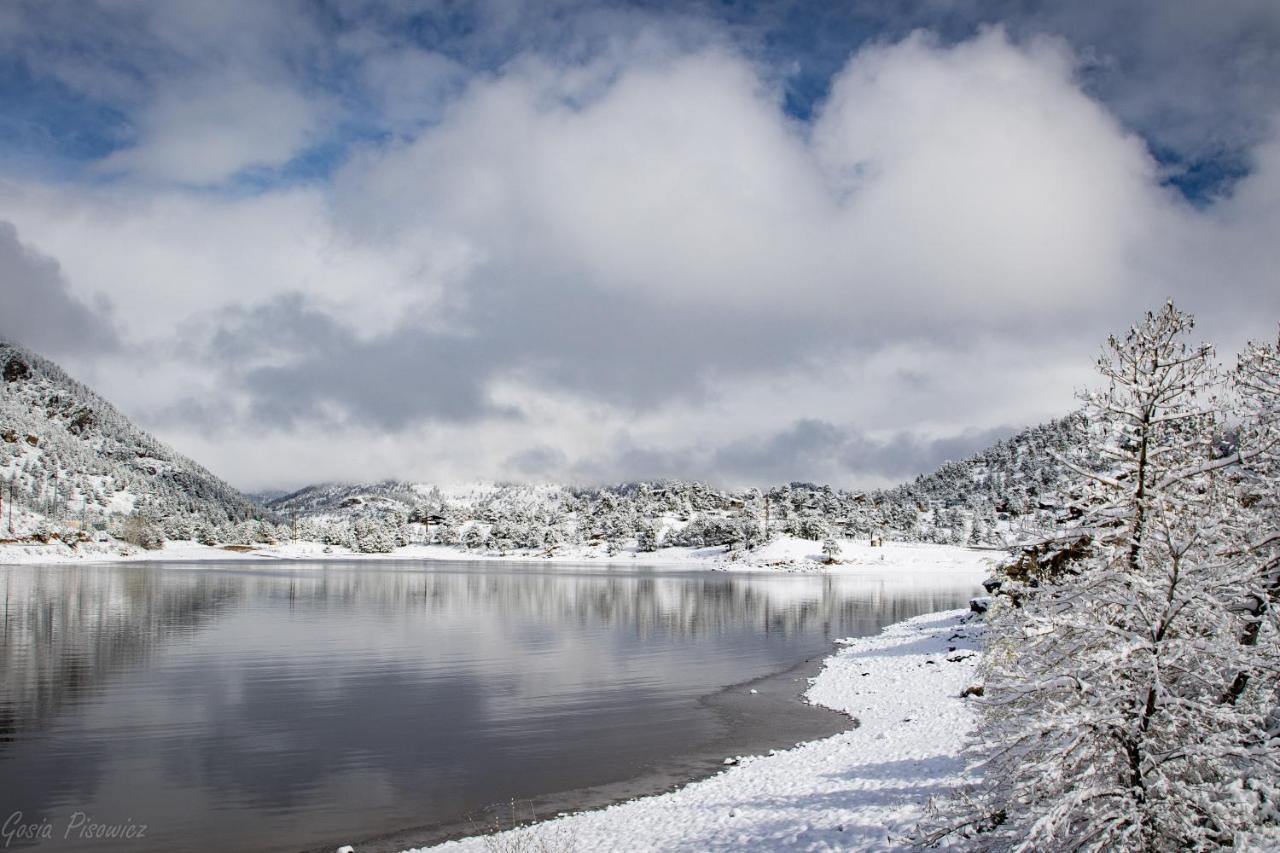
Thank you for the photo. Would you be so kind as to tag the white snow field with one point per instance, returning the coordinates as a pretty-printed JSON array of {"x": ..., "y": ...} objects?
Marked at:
[{"x": 860, "y": 790}]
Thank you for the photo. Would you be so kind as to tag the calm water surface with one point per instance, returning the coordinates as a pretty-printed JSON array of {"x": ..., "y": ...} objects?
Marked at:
[{"x": 261, "y": 706}]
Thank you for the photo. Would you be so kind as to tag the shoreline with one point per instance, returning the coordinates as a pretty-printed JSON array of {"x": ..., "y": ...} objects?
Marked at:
[
  {"x": 755, "y": 722},
  {"x": 862, "y": 788},
  {"x": 787, "y": 555}
]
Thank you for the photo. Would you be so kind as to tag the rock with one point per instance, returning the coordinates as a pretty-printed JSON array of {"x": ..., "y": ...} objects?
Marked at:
[
  {"x": 33, "y": 440},
  {"x": 728, "y": 761},
  {"x": 16, "y": 369},
  {"x": 992, "y": 585},
  {"x": 9, "y": 436},
  {"x": 980, "y": 605},
  {"x": 81, "y": 422},
  {"x": 972, "y": 690}
]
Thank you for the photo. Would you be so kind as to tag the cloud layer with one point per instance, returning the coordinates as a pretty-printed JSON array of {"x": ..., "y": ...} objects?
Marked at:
[
  {"x": 37, "y": 307},
  {"x": 620, "y": 249}
]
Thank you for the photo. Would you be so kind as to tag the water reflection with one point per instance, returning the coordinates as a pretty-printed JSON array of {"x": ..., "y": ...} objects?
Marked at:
[{"x": 259, "y": 707}]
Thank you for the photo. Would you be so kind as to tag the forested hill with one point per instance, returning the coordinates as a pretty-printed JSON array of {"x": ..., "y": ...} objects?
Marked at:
[
  {"x": 74, "y": 462},
  {"x": 69, "y": 455},
  {"x": 991, "y": 498},
  {"x": 1016, "y": 478}
]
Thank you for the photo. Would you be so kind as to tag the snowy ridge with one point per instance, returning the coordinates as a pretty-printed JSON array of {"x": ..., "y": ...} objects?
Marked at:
[
  {"x": 860, "y": 790},
  {"x": 993, "y": 498},
  {"x": 71, "y": 457},
  {"x": 82, "y": 474}
]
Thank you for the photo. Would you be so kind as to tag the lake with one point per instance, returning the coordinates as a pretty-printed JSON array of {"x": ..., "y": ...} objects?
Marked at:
[{"x": 292, "y": 706}]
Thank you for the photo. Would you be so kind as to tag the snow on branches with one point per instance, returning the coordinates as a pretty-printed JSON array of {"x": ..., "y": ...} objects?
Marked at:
[{"x": 1130, "y": 699}]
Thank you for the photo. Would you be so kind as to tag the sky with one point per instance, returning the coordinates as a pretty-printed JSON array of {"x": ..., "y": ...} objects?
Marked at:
[{"x": 749, "y": 243}]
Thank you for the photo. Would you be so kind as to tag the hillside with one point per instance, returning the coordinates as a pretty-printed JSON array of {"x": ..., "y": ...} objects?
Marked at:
[
  {"x": 77, "y": 469},
  {"x": 992, "y": 498},
  {"x": 70, "y": 460},
  {"x": 1015, "y": 482}
]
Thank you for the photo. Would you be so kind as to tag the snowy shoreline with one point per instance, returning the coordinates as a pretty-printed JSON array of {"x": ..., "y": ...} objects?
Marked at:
[
  {"x": 786, "y": 554},
  {"x": 862, "y": 789}
]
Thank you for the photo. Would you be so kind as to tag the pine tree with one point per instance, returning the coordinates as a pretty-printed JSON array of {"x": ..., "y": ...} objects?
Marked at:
[
  {"x": 647, "y": 537},
  {"x": 1255, "y": 535},
  {"x": 374, "y": 535},
  {"x": 977, "y": 531},
  {"x": 1105, "y": 726},
  {"x": 474, "y": 538}
]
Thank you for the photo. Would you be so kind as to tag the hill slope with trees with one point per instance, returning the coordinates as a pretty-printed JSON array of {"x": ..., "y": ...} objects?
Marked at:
[
  {"x": 74, "y": 467},
  {"x": 71, "y": 464},
  {"x": 993, "y": 498}
]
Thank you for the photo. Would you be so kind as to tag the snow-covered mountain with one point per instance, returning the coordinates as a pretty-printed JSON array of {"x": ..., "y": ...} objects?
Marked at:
[
  {"x": 990, "y": 498},
  {"x": 1016, "y": 480},
  {"x": 74, "y": 463},
  {"x": 69, "y": 457}
]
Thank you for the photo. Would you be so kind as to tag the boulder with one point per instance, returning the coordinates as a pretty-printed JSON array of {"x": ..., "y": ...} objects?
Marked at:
[
  {"x": 81, "y": 422},
  {"x": 16, "y": 369}
]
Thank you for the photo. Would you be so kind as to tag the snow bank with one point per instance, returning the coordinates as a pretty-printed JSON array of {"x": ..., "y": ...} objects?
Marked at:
[
  {"x": 116, "y": 552},
  {"x": 860, "y": 790},
  {"x": 783, "y": 554}
]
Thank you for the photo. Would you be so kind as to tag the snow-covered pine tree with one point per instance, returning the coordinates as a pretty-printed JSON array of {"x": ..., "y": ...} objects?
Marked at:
[
  {"x": 1104, "y": 723},
  {"x": 551, "y": 539},
  {"x": 977, "y": 531},
  {"x": 1255, "y": 532},
  {"x": 647, "y": 537},
  {"x": 474, "y": 537}
]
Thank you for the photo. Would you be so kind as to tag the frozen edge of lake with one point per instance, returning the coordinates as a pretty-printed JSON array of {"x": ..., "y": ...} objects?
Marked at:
[{"x": 861, "y": 789}]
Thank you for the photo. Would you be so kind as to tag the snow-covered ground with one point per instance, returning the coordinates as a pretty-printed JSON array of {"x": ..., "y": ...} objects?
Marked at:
[
  {"x": 860, "y": 790},
  {"x": 783, "y": 554},
  {"x": 112, "y": 552}
]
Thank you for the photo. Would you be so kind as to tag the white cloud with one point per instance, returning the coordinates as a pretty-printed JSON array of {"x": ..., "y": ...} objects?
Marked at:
[
  {"x": 215, "y": 129},
  {"x": 978, "y": 179},
  {"x": 982, "y": 182},
  {"x": 411, "y": 86},
  {"x": 646, "y": 253},
  {"x": 172, "y": 258}
]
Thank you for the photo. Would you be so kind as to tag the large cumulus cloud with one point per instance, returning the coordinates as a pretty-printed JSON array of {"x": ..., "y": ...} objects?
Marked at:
[{"x": 641, "y": 262}]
